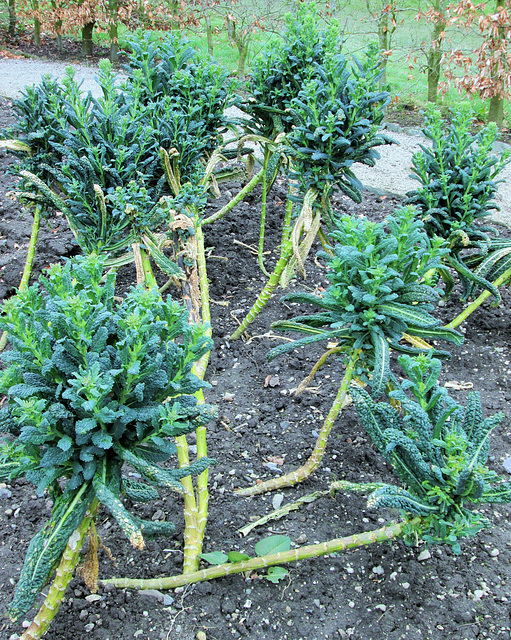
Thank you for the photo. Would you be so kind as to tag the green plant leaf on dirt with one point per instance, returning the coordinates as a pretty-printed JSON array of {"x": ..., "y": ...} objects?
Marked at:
[
  {"x": 215, "y": 557},
  {"x": 273, "y": 544},
  {"x": 276, "y": 574}
]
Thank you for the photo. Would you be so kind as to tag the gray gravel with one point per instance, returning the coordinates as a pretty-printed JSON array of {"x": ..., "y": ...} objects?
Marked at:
[
  {"x": 15, "y": 75},
  {"x": 391, "y": 175}
]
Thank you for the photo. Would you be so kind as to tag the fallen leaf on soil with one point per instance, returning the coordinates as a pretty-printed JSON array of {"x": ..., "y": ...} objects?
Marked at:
[
  {"x": 271, "y": 381},
  {"x": 454, "y": 384},
  {"x": 11, "y": 56},
  {"x": 277, "y": 501},
  {"x": 275, "y": 459}
]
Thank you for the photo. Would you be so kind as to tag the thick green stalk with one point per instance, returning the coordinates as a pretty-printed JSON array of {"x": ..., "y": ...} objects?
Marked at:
[
  {"x": 150, "y": 280},
  {"x": 260, "y": 248},
  {"x": 204, "y": 293},
  {"x": 63, "y": 577},
  {"x": 202, "y": 480},
  {"x": 192, "y": 544},
  {"x": 388, "y": 532},
  {"x": 36, "y": 224},
  {"x": 286, "y": 229},
  {"x": 477, "y": 302},
  {"x": 303, "y": 472},
  {"x": 196, "y": 502},
  {"x": 27, "y": 271},
  {"x": 248, "y": 188},
  {"x": 265, "y": 294}
]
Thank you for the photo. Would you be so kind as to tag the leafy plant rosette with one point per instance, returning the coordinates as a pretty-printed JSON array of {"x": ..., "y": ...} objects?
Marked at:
[
  {"x": 458, "y": 177},
  {"x": 379, "y": 292},
  {"x": 196, "y": 85},
  {"x": 438, "y": 449},
  {"x": 337, "y": 119},
  {"x": 98, "y": 161},
  {"x": 281, "y": 72},
  {"x": 91, "y": 386}
]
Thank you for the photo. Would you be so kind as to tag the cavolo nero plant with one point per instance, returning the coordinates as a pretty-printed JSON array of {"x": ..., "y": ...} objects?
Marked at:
[
  {"x": 281, "y": 71},
  {"x": 337, "y": 117},
  {"x": 98, "y": 160},
  {"x": 90, "y": 386},
  {"x": 459, "y": 181},
  {"x": 199, "y": 87},
  {"x": 438, "y": 449},
  {"x": 109, "y": 153},
  {"x": 277, "y": 76},
  {"x": 378, "y": 294}
]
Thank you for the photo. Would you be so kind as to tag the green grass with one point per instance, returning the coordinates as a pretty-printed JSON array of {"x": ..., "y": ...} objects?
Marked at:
[{"x": 410, "y": 40}]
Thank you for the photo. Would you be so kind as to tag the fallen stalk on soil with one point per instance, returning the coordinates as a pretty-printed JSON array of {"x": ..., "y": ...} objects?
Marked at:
[
  {"x": 478, "y": 301},
  {"x": 388, "y": 532},
  {"x": 339, "y": 485},
  {"x": 303, "y": 472}
]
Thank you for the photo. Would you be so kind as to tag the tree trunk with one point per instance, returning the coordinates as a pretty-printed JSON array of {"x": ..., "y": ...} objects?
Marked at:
[
  {"x": 12, "y": 17},
  {"x": 87, "y": 46},
  {"x": 209, "y": 34},
  {"x": 37, "y": 32},
  {"x": 37, "y": 23},
  {"x": 59, "y": 37},
  {"x": 174, "y": 12},
  {"x": 241, "y": 43},
  {"x": 242, "y": 58},
  {"x": 113, "y": 29},
  {"x": 434, "y": 58},
  {"x": 384, "y": 43},
  {"x": 496, "y": 108},
  {"x": 496, "y": 111},
  {"x": 114, "y": 43}
]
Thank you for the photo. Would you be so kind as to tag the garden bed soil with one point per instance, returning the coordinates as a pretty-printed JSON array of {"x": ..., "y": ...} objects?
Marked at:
[
  {"x": 22, "y": 45},
  {"x": 382, "y": 592}
]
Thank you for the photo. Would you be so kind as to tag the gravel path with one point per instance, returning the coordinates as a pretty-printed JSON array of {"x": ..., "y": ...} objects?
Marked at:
[
  {"x": 390, "y": 176},
  {"x": 15, "y": 74}
]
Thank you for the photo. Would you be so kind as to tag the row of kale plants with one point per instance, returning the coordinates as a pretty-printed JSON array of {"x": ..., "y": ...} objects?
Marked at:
[{"x": 93, "y": 384}]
